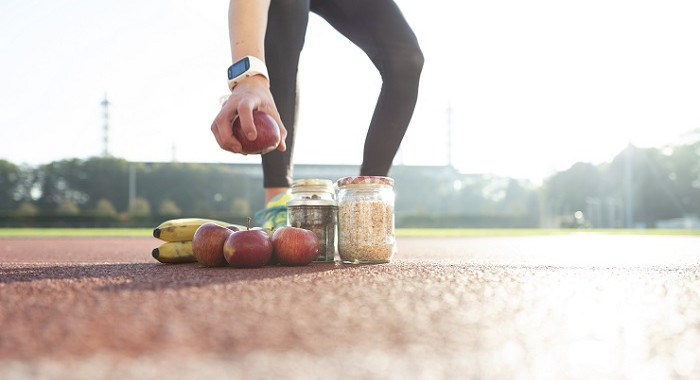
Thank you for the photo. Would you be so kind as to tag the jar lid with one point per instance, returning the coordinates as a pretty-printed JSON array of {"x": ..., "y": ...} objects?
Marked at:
[
  {"x": 366, "y": 180},
  {"x": 314, "y": 183},
  {"x": 311, "y": 202}
]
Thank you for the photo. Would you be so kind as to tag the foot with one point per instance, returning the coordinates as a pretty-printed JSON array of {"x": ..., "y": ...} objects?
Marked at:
[{"x": 274, "y": 215}]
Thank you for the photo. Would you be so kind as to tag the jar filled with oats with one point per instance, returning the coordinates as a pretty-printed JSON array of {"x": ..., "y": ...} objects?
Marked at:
[
  {"x": 366, "y": 219},
  {"x": 313, "y": 207}
]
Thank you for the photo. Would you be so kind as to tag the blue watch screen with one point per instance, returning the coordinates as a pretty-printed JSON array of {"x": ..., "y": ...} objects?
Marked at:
[{"x": 238, "y": 68}]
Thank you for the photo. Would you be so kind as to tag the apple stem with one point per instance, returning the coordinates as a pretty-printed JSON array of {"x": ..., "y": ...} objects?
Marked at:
[{"x": 248, "y": 225}]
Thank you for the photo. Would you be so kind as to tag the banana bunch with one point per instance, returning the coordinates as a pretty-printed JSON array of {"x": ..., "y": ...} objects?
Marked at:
[
  {"x": 178, "y": 234},
  {"x": 174, "y": 252}
]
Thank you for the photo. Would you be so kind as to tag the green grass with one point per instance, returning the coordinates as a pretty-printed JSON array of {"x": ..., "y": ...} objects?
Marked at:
[{"x": 418, "y": 232}]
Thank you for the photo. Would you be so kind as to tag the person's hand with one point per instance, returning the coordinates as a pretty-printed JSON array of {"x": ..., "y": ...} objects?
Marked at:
[{"x": 250, "y": 94}]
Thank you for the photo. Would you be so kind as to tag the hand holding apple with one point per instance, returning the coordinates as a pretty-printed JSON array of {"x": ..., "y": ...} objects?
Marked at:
[{"x": 268, "y": 137}]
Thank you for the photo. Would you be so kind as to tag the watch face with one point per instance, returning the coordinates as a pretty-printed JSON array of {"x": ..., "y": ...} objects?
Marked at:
[{"x": 238, "y": 68}]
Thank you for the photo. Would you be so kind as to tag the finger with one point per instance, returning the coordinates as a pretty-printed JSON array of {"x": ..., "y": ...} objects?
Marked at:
[
  {"x": 283, "y": 132},
  {"x": 229, "y": 114},
  {"x": 272, "y": 111},
  {"x": 226, "y": 142},
  {"x": 223, "y": 133},
  {"x": 245, "y": 113},
  {"x": 283, "y": 137},
  {"x": 215, "y": 132}
]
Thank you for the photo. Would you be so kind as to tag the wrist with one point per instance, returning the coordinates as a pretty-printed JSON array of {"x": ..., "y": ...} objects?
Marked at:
[
  {"x": 255, "y": 80},
  {"x": 246, "y": 68}
]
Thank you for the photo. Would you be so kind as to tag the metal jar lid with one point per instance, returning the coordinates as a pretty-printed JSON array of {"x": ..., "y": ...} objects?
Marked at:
[
  {"x": 313, "y": 184},
  {"x": 311, "y": 202},
  {"x": 366, "y": 180}
]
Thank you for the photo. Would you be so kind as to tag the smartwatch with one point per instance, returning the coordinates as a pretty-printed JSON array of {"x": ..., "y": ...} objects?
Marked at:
[{"x": 246, "y": 67}]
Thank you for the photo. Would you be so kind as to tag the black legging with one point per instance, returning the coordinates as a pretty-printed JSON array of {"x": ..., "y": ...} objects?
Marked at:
[{"x": 380, "y": 30}]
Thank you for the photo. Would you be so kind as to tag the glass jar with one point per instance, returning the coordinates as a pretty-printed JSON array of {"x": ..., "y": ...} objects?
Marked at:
[
  {"x": 313, "y": 207},
  {"x": 366, "y": 219},
  {"x": 313, "y": 188}
]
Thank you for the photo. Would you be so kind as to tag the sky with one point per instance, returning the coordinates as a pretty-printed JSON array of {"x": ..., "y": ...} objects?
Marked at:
[{"x": 533, "y": 86}]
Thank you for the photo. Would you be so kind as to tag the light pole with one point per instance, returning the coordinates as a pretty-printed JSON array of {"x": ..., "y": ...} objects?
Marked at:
[{"x": 105, "y": 127}]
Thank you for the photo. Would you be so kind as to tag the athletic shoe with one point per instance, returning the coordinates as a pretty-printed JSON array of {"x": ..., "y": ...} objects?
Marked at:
[{"x": 274, "y": 215}]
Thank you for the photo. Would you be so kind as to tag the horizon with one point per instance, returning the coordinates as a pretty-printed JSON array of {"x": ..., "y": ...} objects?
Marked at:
[{"x": 395, "y": 165}]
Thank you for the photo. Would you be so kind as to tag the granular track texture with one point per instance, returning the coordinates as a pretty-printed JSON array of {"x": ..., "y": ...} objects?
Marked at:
[{"x": 549, "y": 307}]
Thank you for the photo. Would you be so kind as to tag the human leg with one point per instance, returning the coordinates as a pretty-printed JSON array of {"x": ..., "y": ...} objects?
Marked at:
[
  {"x": 381, "y": 31},
  {"x": 284, "y": 39}
]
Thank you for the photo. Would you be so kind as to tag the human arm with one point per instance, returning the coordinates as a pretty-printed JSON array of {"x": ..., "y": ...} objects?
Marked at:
[{"x": 247, "y": 26}]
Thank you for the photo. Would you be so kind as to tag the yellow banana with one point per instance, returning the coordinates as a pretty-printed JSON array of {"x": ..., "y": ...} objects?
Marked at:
[
  {"x": 174, "y": 252},
  {"x": 182, "y": 229}
]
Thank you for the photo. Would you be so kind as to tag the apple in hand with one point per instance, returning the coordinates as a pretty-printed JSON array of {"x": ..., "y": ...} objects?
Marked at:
[
  {"x": 295, "y": 246},
  {"x": 248, "y": 249},
  {"x": 268, "y": 137},
  {"x": 208, "y": 244}
]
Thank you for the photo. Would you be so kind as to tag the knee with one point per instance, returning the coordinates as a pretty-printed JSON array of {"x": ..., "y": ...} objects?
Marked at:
[
  {"x": 404, "y": 64},
  {"x": 414, "y": 61}
]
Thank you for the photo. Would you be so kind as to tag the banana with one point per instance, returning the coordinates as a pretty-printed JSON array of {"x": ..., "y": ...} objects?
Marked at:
[
  {"x": 174, "y": 252},
  {"x": 182, "y": 229}
]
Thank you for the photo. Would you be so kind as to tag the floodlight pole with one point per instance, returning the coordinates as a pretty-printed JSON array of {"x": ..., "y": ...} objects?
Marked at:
[{"x": 105, "y": 128}]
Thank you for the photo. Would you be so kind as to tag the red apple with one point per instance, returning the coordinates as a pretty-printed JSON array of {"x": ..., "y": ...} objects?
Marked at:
[
  {"x": 268, "y": 137},
  {"x": 233, "y": 227},
  {"x": 266, "y": 230},
  {"x": 273, "y": 259},
  {"x": 248, "y": 249},
  {"x": 295, "y": 246},
  {"x": 208, "y": 244}
]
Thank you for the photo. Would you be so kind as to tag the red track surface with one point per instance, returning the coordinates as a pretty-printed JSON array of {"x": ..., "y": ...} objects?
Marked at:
[{"x": 578, "y": 306}]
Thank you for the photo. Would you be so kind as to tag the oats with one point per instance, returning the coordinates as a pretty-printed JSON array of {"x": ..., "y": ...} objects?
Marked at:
[{"x": 366, "y": 231}]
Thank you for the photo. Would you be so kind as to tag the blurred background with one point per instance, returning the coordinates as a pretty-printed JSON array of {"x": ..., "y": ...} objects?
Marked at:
[{"x": 530, "y": 114}]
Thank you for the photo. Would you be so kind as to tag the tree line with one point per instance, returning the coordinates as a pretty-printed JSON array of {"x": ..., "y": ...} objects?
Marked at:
[
  {"x": 639, "y": 187},
  {"x": 112, "y": 190}
]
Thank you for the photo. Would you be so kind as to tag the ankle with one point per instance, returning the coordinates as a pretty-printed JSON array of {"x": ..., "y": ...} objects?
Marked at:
[{"x": 271, "y": 192}]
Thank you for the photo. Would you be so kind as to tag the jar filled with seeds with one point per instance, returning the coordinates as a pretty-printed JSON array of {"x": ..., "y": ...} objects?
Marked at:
[
  {"x": 313, "y": 207},
  {"x": 366, "y": 219}
]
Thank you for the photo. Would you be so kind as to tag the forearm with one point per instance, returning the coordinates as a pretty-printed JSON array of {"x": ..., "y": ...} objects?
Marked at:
[{"x": 247, "y": 22}]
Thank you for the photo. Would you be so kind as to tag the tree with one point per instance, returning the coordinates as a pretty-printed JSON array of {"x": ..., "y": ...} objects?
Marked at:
[
  {"x": 68, "y": 207},
  {"x": 519, "y": 200},
  {"x": 57, "y": 183},
  {"x": 567, "y": 191},
  {"x": 140, "y": 208},
  {"x": 10, "y": 179},
  {"x": 27, "y": 209},
  {"x": 104, "y": 178},
  {"x": 169, "y": 208},
  {"x": 684, "y": 175},
  {"x": 104, "y": 208}
]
